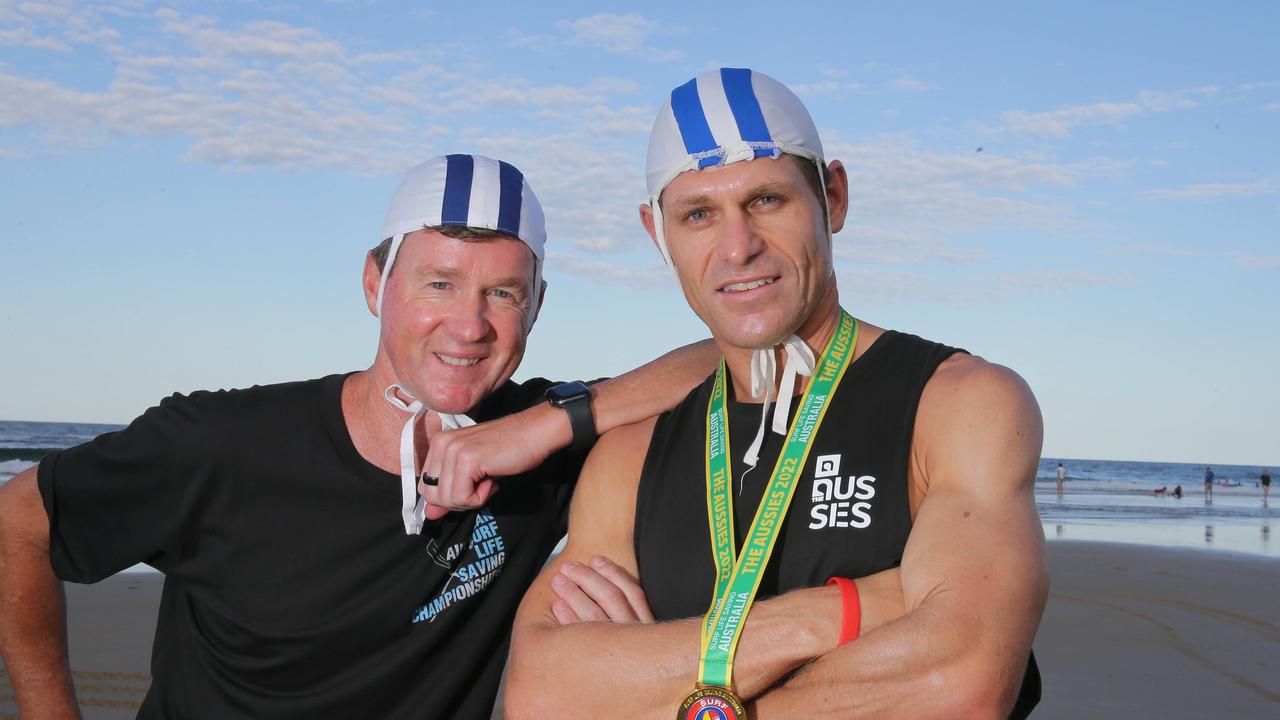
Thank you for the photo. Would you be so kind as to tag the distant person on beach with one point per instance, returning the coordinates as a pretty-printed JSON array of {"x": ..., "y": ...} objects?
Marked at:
[
  {"x": 1265, "y": 479},
  {"x": 1062, "y": 477},
  {"x": 303, "y": 576},
  {"x": 897, "y": 500},
  {"x": 1208, "y": 483},
  {"x": 1177, "y": 491}
]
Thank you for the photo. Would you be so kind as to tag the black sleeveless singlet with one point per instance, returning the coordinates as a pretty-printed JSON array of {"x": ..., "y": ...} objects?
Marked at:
[{"x": 850, "y": 516}]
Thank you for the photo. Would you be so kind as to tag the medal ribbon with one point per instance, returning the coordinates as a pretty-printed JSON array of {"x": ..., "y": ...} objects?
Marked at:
[{"x": 738, "y": 579}]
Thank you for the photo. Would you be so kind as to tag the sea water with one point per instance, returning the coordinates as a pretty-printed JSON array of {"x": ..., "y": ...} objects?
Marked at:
[
  {"x": 1118, "y": 501},
  {"x": 1104, "y": 500}
]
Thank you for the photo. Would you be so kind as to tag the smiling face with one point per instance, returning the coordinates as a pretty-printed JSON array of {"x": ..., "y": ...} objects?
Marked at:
[
  {"x": 455, "y": 316},
  {"x": 750, "y": 247}
]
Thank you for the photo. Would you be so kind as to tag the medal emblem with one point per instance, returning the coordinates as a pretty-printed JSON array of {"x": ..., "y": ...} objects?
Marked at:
[{"x": 711, "y": 703}]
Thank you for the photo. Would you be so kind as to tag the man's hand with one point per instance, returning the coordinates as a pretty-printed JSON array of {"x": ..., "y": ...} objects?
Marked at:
[
  {"x": 467, "y": 460},
  {"x": 601, "y": 591}
]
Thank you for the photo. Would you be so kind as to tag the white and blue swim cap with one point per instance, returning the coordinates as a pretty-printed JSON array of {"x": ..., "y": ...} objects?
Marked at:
[
  {"x": 721, "y": 117},
  {"x": 470, "y": 191}
]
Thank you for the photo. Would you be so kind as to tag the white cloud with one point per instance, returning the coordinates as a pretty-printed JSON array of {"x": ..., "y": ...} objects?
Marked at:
[
  {"x": 612, "y": 275},
  {"x": 827, "y": 88},
  {"x": 868, "y": 287},
  {"x": 23, "y": 37},
  {"x": 1052, "y": 281},
  {"x": 267, "y": 93},
  {"x": 608, "y": 120},
  {"x": 1152, "y": 249},
  {"x": 1258, "y": 261},
  {"x": 908, "y": 83},
  {"x": 1061, "y": 122},
  {"x": 56, "y": 26},
  {"x": 622, "y": 34},
  {"x": 1216, "y": 190}
]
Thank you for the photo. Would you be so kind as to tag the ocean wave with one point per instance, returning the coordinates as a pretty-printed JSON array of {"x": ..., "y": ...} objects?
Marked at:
[{"x": 9, "y": 468}]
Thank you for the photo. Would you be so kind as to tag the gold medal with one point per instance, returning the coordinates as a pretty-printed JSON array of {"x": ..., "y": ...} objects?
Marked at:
[{"x": 711, "y": 702}]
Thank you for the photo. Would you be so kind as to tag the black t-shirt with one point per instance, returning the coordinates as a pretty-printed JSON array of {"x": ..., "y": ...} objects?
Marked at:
[{"x": 292, "y": 590}]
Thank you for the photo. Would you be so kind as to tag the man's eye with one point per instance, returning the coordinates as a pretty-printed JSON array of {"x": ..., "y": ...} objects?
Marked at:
[
  {"x": 504, "y": 294},
  {"x": 696, "y": 216},
  {"x": 439, "y": 285},
  {"x": 768, "y": 199}
]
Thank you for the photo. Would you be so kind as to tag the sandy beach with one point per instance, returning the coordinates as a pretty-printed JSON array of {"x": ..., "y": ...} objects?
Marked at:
[{"x": 1130, "y": 631}]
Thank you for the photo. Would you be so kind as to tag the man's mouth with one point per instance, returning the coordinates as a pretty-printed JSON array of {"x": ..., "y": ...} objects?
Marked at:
[
  {"x": 457, "y": 361},
  {"x": 745, "y": 286}
]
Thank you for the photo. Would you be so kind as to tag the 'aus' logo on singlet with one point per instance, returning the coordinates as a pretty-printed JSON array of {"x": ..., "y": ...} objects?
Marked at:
[{"x": 840, "y": 502}]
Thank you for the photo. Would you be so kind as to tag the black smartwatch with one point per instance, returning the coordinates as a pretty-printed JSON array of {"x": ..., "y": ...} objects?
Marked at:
[{"x": 575, "y": 398}]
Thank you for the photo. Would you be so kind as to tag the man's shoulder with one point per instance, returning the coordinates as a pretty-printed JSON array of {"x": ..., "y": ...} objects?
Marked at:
[
  {"x": 255, "y": 398},
  {"x": 964, "y": 378},
  {"x": 975, "y": 414}
]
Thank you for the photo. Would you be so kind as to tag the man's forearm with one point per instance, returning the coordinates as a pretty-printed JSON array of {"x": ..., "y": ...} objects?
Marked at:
[
  {"x": 923, "y": 665},
  {"x": 656, "y": 386},
  {"x": 33, "y": 634},
  {"x": 587, "y": 669}
]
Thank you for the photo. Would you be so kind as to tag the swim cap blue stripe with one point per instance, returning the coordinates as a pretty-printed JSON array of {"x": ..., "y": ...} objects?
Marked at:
[
  {"x": 457, "y": 190},
  {"x": 511, "y": 187},
  {"x": 692, "y": 121},
  {"x": 745, "y": 107}
]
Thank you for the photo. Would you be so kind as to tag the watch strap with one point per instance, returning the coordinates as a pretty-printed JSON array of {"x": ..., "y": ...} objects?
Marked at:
[{"x": 581, "y": 420}]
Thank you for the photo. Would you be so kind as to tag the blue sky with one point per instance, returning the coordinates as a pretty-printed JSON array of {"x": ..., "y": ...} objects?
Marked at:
[{"x": 1085, "y": 193}]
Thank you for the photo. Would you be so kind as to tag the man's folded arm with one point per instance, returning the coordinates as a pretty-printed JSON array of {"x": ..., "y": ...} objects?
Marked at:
[
  {"x": 973, "y": 574},
  {"x": 588, "y": 668}
]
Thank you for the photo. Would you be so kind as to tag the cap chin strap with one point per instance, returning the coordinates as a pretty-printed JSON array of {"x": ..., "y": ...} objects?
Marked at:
[
  {"x": 386, "y": 268},
  {"x": 411, "y": 505},
  {"x": 764, "y": 371}
]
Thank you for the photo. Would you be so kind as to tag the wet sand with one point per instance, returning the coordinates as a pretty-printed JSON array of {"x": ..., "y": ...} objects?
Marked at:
[{"x": 1130, "y": 631}]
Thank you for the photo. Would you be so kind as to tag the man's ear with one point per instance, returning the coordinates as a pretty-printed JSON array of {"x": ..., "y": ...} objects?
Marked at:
[
  {"x": 837, "y": 195},
  {"x": 372, "y": 278},
  {"x": 646, "y": 219}
]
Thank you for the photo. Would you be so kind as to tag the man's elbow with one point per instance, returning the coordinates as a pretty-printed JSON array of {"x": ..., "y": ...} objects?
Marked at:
[
  {"x": 532, "y": 690},
  {"x": 982, "y": 693}
]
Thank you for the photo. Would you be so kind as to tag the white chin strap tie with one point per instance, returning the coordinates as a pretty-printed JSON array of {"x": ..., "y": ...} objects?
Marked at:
[
  {"x": 411, "y": 505},
  {"x": 764, "y": 371}
]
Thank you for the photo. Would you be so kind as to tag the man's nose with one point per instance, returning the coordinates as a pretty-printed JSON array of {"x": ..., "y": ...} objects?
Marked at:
[
  {"x": 470, "y": 321},
  {"x": 739, "y": 242}
]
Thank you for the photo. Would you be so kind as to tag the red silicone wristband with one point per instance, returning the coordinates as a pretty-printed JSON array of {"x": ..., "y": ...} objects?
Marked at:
[{"x": 851, "y": 609}]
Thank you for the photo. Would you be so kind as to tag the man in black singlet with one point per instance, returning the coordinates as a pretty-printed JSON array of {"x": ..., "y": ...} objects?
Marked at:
[
  {"x": 910, "y": 467},
  {"x": 303, "y": 579}
]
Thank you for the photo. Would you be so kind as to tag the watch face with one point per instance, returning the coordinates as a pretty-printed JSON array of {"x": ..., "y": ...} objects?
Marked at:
[{"x": 565, "y": 392}]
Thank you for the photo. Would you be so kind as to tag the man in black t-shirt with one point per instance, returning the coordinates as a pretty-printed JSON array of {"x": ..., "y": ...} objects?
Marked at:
[
  {"x": 304, "y": 577},
  {"x": 920, "y": 455}
]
